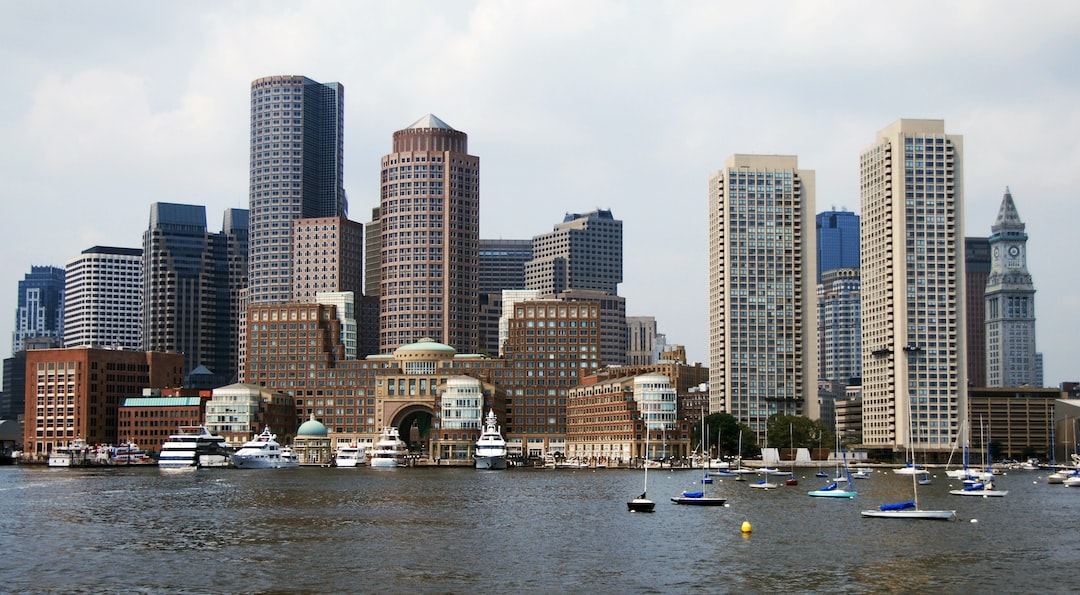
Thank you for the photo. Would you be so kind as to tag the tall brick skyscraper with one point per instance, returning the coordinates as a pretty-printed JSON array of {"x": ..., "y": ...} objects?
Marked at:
[{"x": 430, "y": 238}]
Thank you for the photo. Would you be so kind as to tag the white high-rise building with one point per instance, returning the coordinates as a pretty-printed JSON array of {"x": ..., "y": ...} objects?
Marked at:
[
  {"x": 912, "y": 292},
  {"x": 762, "y": 290},
  {"x": 103, "y": 290}
]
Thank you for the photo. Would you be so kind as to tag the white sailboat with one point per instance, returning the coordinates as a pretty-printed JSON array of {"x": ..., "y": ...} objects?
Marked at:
[
  {"x": 700, "y": 497},
  {"x": 642, "y": 502},
  {"x": 833, "y": 490},
  {"x": 910, "y": 509},
  {"x": 765, "y": 484},
  {"x": 985, "y": 487}
]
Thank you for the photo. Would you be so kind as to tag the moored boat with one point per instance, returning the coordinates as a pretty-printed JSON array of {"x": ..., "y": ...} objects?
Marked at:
[
  {"x": 194, "y": 447},
  {"x": 262, "y": 452},
  {"x": 349, "y": 456},
  {"x": 73, "y": 454},
  {"x": 390, "y": 450},
  {"x": 129, "y": 453},
  {"x": 491, "y": 447}
]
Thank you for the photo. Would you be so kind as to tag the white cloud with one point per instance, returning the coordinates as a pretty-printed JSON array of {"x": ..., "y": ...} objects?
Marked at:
[{"x": 570, "y": 106}]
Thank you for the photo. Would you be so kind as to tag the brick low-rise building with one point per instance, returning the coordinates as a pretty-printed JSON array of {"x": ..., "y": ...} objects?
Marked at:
[{"x": 77, "y": 393}]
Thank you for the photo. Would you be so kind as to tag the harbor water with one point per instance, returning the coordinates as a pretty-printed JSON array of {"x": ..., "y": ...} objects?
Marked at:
[{"x": 442, "y": 530}]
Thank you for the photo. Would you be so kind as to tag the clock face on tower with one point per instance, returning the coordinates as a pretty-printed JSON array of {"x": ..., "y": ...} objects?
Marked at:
[
  {"x": 1014, "y": 251},
  {"x": 997, "y": 251}
]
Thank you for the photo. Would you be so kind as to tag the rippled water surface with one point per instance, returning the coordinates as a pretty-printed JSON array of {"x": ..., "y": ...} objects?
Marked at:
[{"x": 316, "y": 530}]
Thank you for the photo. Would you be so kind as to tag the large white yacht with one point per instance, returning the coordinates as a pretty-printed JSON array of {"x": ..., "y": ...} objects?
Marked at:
[
  {"x": 349, "y": 455},
  {"x": 491, "y": 447},
  {"x": 194, "y": 447},
  {"x": 390, "y": 450},
  {"x": 262, "y": 452}
]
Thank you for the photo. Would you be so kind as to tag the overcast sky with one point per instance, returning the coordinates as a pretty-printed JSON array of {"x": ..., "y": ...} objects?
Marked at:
[{"x": 107, "y": 107}]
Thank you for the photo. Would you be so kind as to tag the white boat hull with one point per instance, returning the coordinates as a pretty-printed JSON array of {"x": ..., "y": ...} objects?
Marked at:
[
  {"x": 982, "y": 493},
  {"x": 912, "y": 513},
  {"x": 261, "y": 463},
  {"x": 491, "y": 462},
  {"x": 385, "y": 463}
]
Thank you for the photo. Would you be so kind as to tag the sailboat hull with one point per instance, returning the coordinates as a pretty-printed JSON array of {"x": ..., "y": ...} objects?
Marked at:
[
  {"x": 702, "y": 501},
  {"x": 641, "y": 505},
  {"x": 832, "y": 494},
  {"x": 912, "y": 513}
]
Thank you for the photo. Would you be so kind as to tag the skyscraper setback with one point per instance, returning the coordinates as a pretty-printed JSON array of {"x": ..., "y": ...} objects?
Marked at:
[
  {"x": 913, "y": 330},
  {"x": 429, "y": 230},
  {"x": 584, "y": 251},
  {"x": 191, "y": 284},
  {"x": 762, "y": 299},
  {"x": 297, "y": 144}
]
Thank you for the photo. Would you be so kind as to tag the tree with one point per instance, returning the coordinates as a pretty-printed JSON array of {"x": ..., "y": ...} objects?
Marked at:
[
  {"x": 723, "y": 431},
  {"x": 794, "y": 431}
]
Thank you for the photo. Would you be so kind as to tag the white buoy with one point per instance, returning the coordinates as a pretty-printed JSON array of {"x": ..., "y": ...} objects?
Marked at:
[{"x": 973, "y": 521}]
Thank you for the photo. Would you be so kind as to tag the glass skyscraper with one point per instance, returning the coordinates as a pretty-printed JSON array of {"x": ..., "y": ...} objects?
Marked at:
[
  {"x": 41, "y": 306},
  {"x": 192, "y": 285},
  {"x": 837, "y": 241}
]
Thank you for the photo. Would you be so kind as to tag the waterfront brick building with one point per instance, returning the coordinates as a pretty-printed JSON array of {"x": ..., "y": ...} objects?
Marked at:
[
  {"x": 76, "y": 393},
  {"x": 550, "y": 347},
  {"x": 296, "y": 349},
  {"x": 150, "y": 419},
  {"x": 606, "y": 420}
]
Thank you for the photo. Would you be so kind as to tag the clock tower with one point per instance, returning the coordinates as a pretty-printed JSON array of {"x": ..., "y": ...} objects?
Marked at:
[{"x": 1011, "y": 359}]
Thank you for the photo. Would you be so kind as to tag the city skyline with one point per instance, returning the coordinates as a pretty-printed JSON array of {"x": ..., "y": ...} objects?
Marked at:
[{"x": 109, "y": 112}]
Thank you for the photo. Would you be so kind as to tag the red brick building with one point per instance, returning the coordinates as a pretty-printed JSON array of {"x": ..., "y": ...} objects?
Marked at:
[{"x": 76, "y": 393}]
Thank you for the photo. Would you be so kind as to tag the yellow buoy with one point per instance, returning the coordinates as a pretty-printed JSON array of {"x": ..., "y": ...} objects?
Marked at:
[{"x": 746, "y": 528}]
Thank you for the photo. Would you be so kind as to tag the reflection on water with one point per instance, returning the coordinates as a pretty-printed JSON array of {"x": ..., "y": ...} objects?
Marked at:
[{"x": 459, "y": 530}]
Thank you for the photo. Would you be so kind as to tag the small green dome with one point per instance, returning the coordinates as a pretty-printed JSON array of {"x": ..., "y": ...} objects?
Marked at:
[
  {"x": 312, "y": 427},
  {"x": 426, "y": 344}
]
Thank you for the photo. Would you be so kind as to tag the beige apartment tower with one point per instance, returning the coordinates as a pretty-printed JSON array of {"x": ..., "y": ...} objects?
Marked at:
[
  {"x": 762, "y": 290},
  {"x": 912, "y": 248},
  {"x": 429, "y": 230},
  {"x": 327, "y": 257}
]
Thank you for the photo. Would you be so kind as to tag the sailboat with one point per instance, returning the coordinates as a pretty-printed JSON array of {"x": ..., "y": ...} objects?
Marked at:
[
  {"x": 791, "y": 481},
  {"x": 910, "y": 509},
  {"x": 739, "y": 469},
  {"x": 985, "y": 487},
  {"x": 820, "y": 471},
  {"x": 833, "y": 490},
  {"x": 765, "y": 484},
  {"x": 642, "y": 503},
  {"x": 698, "y": 497}
]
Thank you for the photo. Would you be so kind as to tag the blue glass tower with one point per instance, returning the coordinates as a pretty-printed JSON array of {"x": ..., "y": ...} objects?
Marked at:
[
  {"x": 41, "y": 306},
  {"x": 837, "y": 241}
]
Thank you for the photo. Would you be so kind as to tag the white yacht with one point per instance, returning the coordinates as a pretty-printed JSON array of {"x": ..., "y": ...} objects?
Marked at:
[
  {"x": 390, "y": 450},
  {"x": 263, "y": 452},
  {"x": 73, "y": 454},
  {"x": 289, "y": 458},
  {"x": 350, "y": 455},
  {"x": 491, "y": 447},
  {"x": 194, "y": 447}
]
